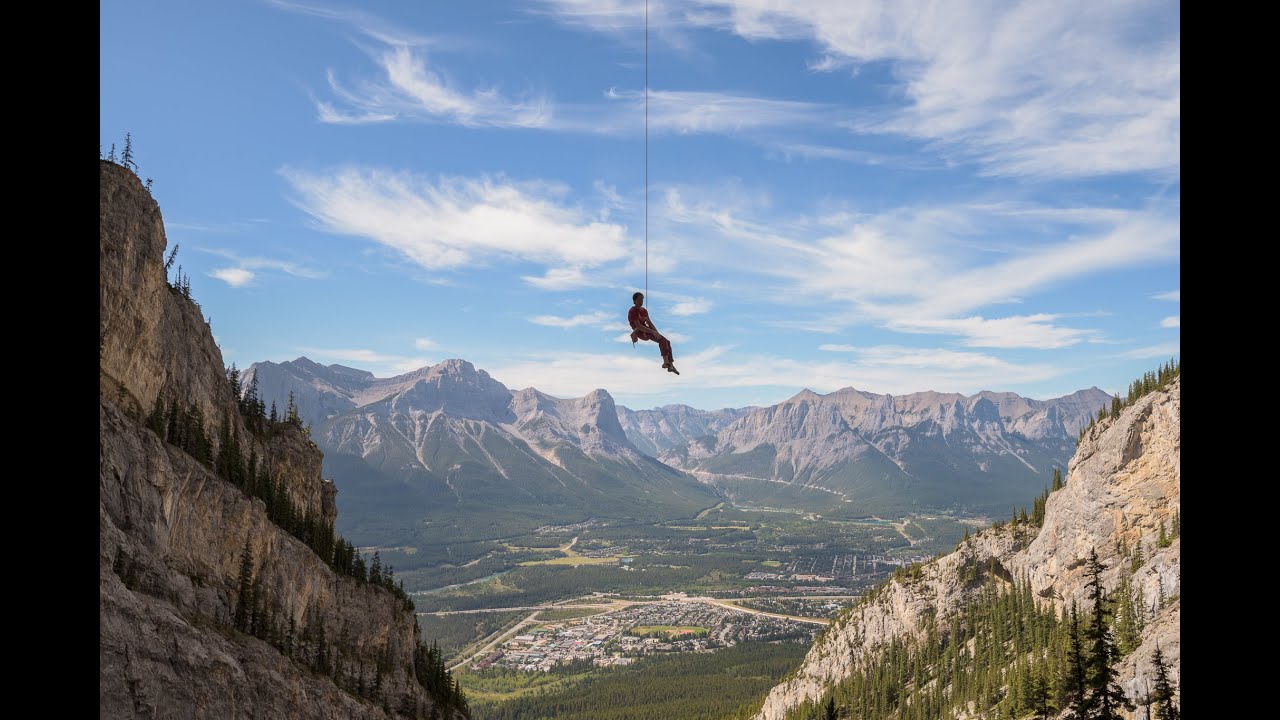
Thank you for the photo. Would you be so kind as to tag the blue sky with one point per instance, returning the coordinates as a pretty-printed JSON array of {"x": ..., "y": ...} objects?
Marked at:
[{"x": 894, "y": 196}]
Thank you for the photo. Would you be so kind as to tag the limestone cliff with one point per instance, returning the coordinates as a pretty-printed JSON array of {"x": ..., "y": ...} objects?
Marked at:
[
  {"x": 173, "y": 534},
  {"x": 1123, "y": 485}
]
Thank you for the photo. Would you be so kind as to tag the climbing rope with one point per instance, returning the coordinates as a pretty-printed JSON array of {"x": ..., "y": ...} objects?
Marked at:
[{"x": 646, "y": 152}]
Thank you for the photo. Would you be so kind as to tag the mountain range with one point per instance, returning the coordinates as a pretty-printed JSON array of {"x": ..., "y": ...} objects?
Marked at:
[
  {"x": 888, "y": 454},
  {"x": 452, "y": 453}
]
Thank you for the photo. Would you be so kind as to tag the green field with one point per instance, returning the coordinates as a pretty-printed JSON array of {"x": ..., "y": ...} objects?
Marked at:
[
  {"x": 568, "y": 613},
  {"x": 576, "y": 560}
]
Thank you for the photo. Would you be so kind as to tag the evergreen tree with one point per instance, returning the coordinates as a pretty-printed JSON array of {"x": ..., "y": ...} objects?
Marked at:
[
  {"x": 155, "y": 420},
  {"x": 1164, "y": 540},
  {"x": 168, "y": 263},
  {"x": 1105, "y": 696},
  {"x": 830, "y": 712},
  {"x": 111, "y": 158},
  {"x": 1115, "y": 406},
  {"x": 291, "y": 415},
  {"x": 1057, "y": 480},
  {"x": 126, "y": 159},
  {"x": 233, "y": 379},
  {"x": 175, "y": 423},
  {"x": 1077, "y": 679},
  {"x": 274, "y": 417},
  {"x": 1162, "y": 698},
  {"x": 148, "y": 185},
  {"x": 1037, "y": 698},
  {"x": 244, "y": 598},
  {"x": 375, "y": 569}
]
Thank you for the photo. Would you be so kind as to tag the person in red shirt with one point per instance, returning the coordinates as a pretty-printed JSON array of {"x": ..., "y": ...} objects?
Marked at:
[{"x": 642, "y": 328}]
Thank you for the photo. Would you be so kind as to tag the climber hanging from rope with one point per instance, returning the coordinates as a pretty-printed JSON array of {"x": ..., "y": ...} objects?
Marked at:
[{"x": 642, "y": 328}]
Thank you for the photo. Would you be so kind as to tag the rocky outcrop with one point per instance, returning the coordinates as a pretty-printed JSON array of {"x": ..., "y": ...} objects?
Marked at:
[
  {"x": 173, "y": 534},
  {"x": 156, "y": 344},
  {"x": 1122, "y": 485}
]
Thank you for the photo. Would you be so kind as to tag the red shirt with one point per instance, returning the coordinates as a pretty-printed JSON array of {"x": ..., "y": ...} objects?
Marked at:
[{"x": 638, "y": 317}]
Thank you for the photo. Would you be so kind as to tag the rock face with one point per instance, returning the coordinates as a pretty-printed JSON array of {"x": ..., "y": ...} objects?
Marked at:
[
  {"x": 172, "y": 533},
  {"x": 1122, "y": 484},
  {"x": 883, "y": 454}
]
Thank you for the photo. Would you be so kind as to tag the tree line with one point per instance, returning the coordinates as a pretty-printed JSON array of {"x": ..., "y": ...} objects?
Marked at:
[
  {"x": 260, "y": 614},
  {"x": 1150, "y": 382},
  {"x": 126, "y": 159}
]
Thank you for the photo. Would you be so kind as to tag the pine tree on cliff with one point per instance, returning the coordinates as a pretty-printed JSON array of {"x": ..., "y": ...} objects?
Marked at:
[
  {"x": 1057, "y": 481},
  {"x": 291, "y": 412},
  {"x": 233, "y": 379},
  {"x": 111, "y": 157},
  {"x": 244, "y": 599},
  {"x": 155, "y": 420},
  {"x": 1105, "y": 696},
  {"x": 126, "y": 159},
  {"x": 830, "y": 712},
  {"x": 1077, "y": 695},
  {"x": 1162, "y": 698},
  {"x": 275, "y": 417},
  {"x": 375, "y": 569}
]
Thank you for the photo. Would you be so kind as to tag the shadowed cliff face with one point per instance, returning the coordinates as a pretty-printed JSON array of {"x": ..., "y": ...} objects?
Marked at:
[
  {"x": 173, "y": 534},
  {"x": 1122, "y": 485}
]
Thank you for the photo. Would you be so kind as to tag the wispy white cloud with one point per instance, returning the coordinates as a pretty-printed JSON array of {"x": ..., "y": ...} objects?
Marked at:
[
  {"x": 788, "y": 150},
  {"x": 560, "y": 278},
  {"x": 425, "y": 344},
  {"x": 411, "y": 88},
  {"x": 243, "y": 272},
  {"x": 1173, "y": 321},
  {"x": 1172, "y": 296},
  {"x": 915, "y": 268},
  {"x": 693, "y": 306},
  {"x": 1027, "y": 88},
  {"x": 878, "y": 369},
  {"x": 1017, "y": 331},
  {"x": 408, "y": 86},
  {"x": 690, "y": 112},
  {"x": 599, "y": 318},
  {"x": 829, "y": 347},
  {"x": 381, "y": 364},
  {"x": 452, "y": 222},
  {"x": 235, "y": 277},
  {"x": 1163, "y": 350}
]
